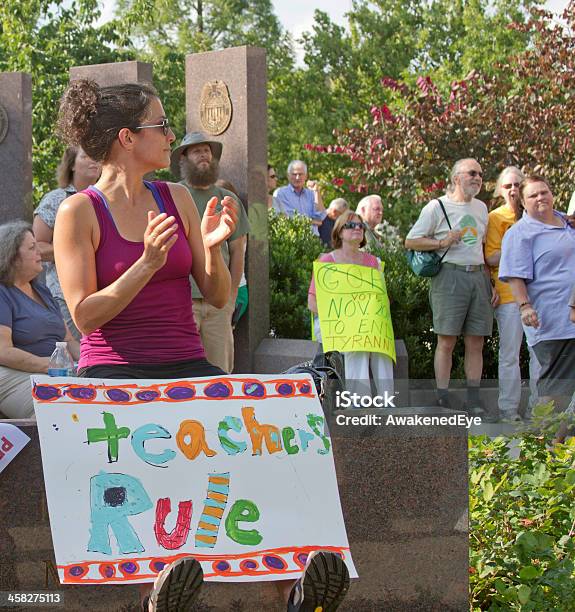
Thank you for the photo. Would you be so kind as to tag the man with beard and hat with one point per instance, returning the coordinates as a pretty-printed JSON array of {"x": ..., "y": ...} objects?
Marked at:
[{"x": 196, "y": 161}]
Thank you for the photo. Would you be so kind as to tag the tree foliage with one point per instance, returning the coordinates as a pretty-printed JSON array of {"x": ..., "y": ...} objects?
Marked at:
[
  {"x": 521, "y": 114},
  {"x": 46, "y": 39},
  {"x": 335, "y": 87},
  {"x": 171, "y": 29},
  {"x": 399, "y": 39}
]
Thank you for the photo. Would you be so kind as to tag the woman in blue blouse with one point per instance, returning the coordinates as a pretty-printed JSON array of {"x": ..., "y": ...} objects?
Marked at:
[{"x": 30, "y": 320}]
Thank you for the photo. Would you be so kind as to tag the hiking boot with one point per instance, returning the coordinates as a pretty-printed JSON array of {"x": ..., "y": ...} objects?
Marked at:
[
  {"x": 474, "y": 409},
  {"x": 477, "y": 409},
  {"x": 177, "y": 586},
  {"x": 322, "y": 586},
  {"x": 443, "y": 402}
]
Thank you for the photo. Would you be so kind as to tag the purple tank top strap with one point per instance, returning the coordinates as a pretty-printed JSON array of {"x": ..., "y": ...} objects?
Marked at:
[
  {"x": 101, "y": 211},
  {"x": 168, "y": 200}
]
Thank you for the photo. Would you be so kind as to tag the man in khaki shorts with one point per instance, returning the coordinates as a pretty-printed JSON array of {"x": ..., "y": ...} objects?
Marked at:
[{"x": 461, "y": 295}]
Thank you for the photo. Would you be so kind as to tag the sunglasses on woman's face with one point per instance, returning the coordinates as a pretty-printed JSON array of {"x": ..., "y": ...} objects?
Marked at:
[
  {"x": 165, "y": 125},
  {"x": 353, "y": 225},
  {"x": 509, "y": 185}
]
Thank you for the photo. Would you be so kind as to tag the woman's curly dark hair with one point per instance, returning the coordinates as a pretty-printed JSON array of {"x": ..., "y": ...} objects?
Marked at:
[{"x": 91, "y": 116}]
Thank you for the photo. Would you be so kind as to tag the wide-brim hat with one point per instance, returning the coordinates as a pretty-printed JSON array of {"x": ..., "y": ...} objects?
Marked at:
[{"x": 192, "y": 138}]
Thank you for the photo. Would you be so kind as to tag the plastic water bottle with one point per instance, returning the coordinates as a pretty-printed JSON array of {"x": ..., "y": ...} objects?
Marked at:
[{"x": 61, "y": 362}]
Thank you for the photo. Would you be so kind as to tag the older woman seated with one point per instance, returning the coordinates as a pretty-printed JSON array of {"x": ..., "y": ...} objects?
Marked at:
[{"x": 30, "y": 320}]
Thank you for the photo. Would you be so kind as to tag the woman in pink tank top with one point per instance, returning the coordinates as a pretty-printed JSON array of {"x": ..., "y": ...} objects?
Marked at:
[
  {"x": 124, "y": 250},
  {"x": 125, "y": 247},
  {"x": 348, "y": 236}
]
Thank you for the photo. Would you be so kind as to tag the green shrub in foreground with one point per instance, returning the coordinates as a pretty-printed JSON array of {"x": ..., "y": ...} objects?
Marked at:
[
  {"x": 293, "y": 249},
  {"x": 522, "y": 524}
]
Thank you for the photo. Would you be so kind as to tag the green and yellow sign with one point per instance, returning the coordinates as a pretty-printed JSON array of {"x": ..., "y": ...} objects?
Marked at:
[{"x": 353, "y": 308}]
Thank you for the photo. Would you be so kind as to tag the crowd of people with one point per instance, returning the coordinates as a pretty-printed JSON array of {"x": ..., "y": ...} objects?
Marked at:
[
  {"x": 482, "y": 275},
  {"x": 144, "y": 277},
  {"x": 511, "y": 264},
  {"x": 515, "y": 263},
  {"x": 304, "y": 197}
]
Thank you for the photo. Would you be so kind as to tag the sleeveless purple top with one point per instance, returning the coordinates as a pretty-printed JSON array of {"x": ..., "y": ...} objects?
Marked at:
[{"x": 158, "y": 325}]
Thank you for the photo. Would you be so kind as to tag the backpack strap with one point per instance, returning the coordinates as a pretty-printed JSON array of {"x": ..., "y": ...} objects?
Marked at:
[
  {"x": 448, "y": 223},
  {"x": 444, "y": 212}
]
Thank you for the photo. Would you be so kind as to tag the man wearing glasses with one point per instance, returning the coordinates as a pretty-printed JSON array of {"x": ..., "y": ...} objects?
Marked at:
[
  {"x": 370, "y": 209},
  {"x": 461, "y": 295},
  {"x": 196, "y": 160},
  {"x": 297, "y": 198}
]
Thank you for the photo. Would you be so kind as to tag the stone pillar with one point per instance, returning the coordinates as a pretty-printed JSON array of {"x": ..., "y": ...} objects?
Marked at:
[
  {"x": 15, "y": 146},
  {"x": 115, "y": 73},
  {"x": 240, "y": 75}
]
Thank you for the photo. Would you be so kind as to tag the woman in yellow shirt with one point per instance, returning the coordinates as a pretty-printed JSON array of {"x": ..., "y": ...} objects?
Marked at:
[{"x": 507, "y": 313}]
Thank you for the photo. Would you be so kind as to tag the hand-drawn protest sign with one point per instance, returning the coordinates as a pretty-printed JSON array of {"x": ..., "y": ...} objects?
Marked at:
[
  {"x": 353, "y": 308},
  {"x": 237, "y": 471},
  {"x": 12, "y": 441}
]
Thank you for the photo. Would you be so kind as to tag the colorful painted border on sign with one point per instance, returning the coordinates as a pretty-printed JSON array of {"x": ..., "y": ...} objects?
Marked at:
[
  {"x": 276, "y": 562},
  {"x": 217, "y": 389}
]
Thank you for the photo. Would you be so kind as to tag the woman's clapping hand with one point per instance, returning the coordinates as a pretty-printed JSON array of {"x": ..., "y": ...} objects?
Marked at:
[
  {"x": 159, "y": 237},
  {"x": 219, "y": 226}
]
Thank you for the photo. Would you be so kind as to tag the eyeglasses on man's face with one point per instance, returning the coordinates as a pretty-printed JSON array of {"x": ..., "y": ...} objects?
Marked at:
[
  {"x": 353, "y": 225},
  {"x": 165, "y": 125},
  {"x": 472, "y": 173},
  {"x": 509, "y": 185}
]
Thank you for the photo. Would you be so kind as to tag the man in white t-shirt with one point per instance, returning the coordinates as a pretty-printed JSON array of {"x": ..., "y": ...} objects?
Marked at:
[{"x": 462, "y": 298}]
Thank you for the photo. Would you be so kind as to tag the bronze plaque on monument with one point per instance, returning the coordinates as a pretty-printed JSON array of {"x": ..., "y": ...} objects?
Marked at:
[
  {"x": 215, "y": 107},
  {"x": 3, "y": 123}
]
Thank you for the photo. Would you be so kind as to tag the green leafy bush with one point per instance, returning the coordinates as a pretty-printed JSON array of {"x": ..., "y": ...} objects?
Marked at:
[
  {"x": 522, "y": 524},
  {"x": 293, "y": 249}
]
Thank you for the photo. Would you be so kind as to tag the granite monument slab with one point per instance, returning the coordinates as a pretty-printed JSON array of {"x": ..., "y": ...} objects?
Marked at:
[{"x": 15, "y": 146}]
